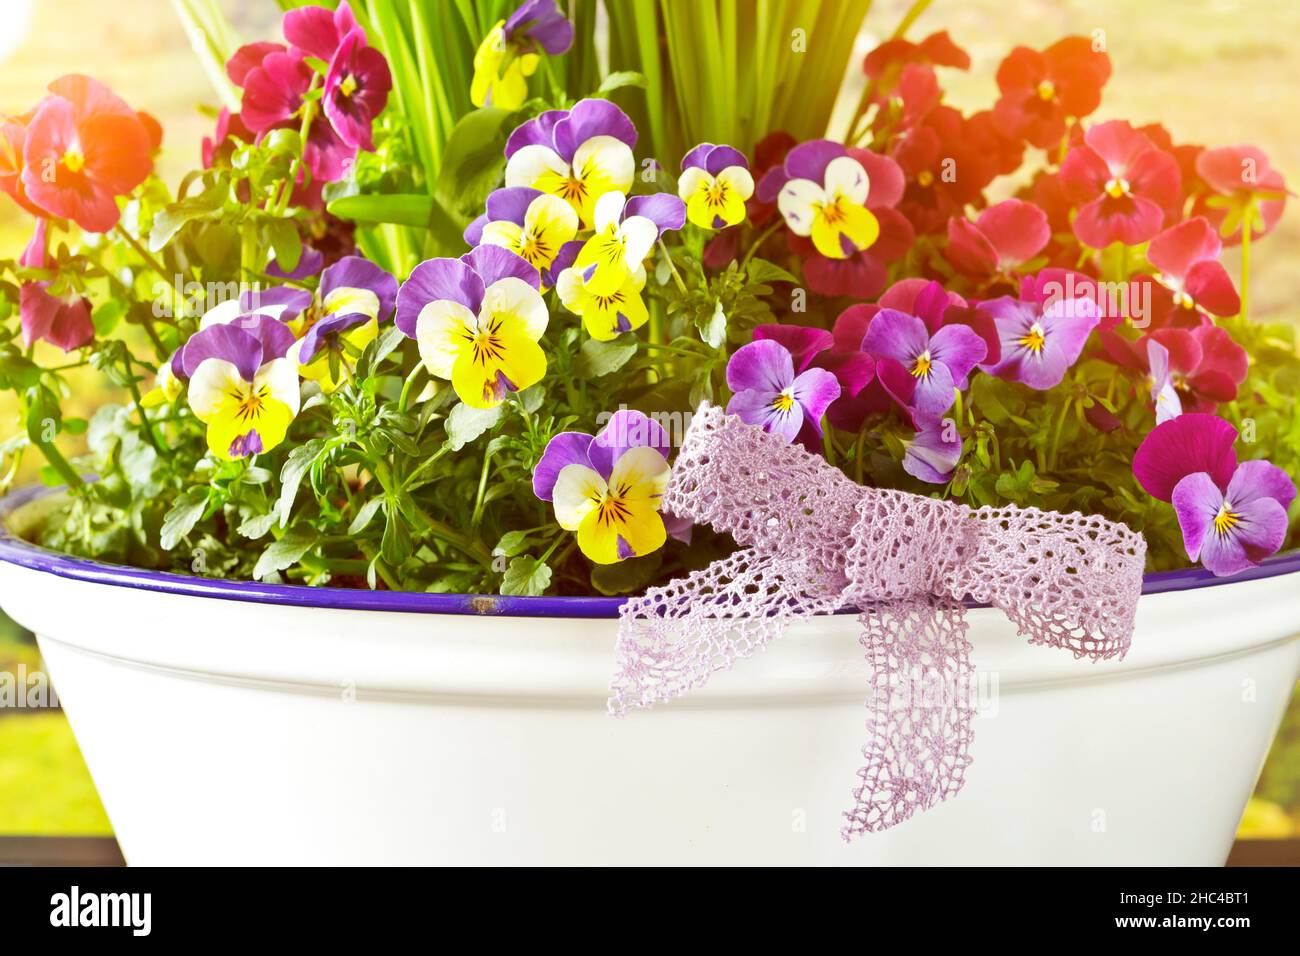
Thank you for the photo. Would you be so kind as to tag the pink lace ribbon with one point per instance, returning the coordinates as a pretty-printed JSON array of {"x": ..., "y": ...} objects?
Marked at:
[{"x": 812, "y": 541}]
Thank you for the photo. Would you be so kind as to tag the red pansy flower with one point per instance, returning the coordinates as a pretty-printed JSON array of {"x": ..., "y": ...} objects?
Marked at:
[
  {"x": 83, "y": 148},
  {"x": 1041, "y": 90},
  {"x": 1205, "y": 364},
  {"x": 1191, "y": 283},
  {"x": 1003, "y": 238},
  {"x": 61, "y": 321},
  {"x": 1123, "y": 185}
]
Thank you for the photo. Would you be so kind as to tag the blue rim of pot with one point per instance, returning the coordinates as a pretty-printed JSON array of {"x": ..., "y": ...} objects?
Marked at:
[{"x": 14, "y": 550}]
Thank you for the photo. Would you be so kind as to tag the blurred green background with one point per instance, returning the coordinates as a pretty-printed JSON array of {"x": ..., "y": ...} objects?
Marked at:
[{"x": 1212, "y": 71}]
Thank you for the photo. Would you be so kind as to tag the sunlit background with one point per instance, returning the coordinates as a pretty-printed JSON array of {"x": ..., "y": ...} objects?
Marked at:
[{"x": 1216, "y": 72}]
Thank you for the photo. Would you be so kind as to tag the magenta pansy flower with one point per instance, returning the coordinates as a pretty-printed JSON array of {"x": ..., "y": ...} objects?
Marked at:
[
  {"x": 935, "y": 363},
  {"x": 1004, "y": 237},
  {"x": 1040, "y": 341},
  {"x": 356, "y": 90},
  {"x": 318, "y": 31},
  {"x": 768, "y": 393},
  {"x": 1183, "y": 446},
  {"x": 1122, "y": 184},
  {"x": 63, "y": 322}
]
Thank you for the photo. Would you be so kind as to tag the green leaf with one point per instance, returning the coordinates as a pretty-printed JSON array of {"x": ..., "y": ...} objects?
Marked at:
[
  {"x": 285, "y": 553},
  {"x": 620, "y": 80},
  {"x": 412, "y": 209},
  {"x": 464, "y": 424},
  {"x": 627, "y": 576},
  {"x": 474, "y": 159},
  {"x": 257, "y": 526},
  {"x": 364, "y": 516},
  {"x": 183, "y": 516},
  {"x": 761, "y": 272},
  {"x": 526, "y": 576},
  {"x": 597, "y": 358},
  {"x": 378, "y": 350},
  {"x": 511, "y": 543},
  {"x": 284, "y": 239},
  {"x": 396, "y": 545},
  {"x": 299, "y": 463},
  {"x": 168, "y": 221}
]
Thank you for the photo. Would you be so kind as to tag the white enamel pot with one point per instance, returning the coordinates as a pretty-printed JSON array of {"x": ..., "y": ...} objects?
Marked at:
[{"x": 232, "y": 723}]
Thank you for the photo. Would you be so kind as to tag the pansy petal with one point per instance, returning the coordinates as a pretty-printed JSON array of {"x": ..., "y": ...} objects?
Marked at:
[
  {"x": 576, "y": 491},
  {"x": 533, "y": 163},
  {"x": 512, "y": 296},
  {"x": 763, "y": 365},
  {"x": 845, "y": 177},
  {"x": 564, "y": 449},
  {"x": 627, "y": 429},
  {"x": 1184, "y": 446},
  {"x": 434, "y": 280},
  {"x": 667, "y": 212},
  {"x": 1261, "y": 479},
  {"x": 809, "y": 160},
  {"x": 815, "y": 389},
  {"x": 799, "y": 201},
  {"x": 443, "y": 330}
]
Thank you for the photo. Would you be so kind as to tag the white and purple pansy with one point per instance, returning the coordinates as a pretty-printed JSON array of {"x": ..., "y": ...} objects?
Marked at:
[
  {"x": 477, "y": 321},
  {"x": 241, "y": 384},
  {"x": 607, "y": 487},
  {"x": 528, "y": 222},
  {"x": 577, "y": 154},
  {"x": 626, "y": 231},
  {"x": 343, "y": 316},
  {"x": 1040, "y": 340},
  {"x": 715, "y": 184},
  {"x": 935, "y": 365},
  {"x": 768, "y": 393},
  {"x": 821, "y": 191}
]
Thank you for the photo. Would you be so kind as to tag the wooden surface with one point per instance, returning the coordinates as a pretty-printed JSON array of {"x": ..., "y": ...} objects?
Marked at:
[{"x": 103, "y": 851}]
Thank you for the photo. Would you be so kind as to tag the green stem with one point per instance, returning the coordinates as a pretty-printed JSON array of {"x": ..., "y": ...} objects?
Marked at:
[
  {"x": 134, "y": 388},
  {"x": 143, "y": 253},
  {"x": 681, "y": 286},
  {"x": 762, "y": 238},
  {"x": 404, "y": 400},
  {"x": 60, "y": 464},
  {"x": 1245, "y": 261},
  {"x": 1056, "y": 434}
]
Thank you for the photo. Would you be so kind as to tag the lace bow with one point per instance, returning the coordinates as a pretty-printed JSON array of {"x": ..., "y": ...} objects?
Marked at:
[{"x": 812, "y": 541}]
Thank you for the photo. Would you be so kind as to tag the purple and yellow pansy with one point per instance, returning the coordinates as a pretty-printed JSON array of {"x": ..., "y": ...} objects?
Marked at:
[
  {"x": 578, "y": 154},
  {"x": 530, "y": 223},
  {"x": 508, "y": 54},
  {"x": 626, "y": 231},
  {"x": 341, "y": 317},
  {"x": 241, "y": 385},
  {"x": 715, "y": 184},
  {"x": 607, "y": 487},
  {"x": 477, "y": 321},
  {"x": 605, "y": 315}
]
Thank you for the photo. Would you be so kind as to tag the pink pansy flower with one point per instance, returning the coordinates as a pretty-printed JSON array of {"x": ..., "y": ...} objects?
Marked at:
[
  {"x": 318, "y": 31},
  {"x": 1240, "y": 177},
  {"x": 64, "y": 322},
  {"x": 768, "y": 393},
  {"x": 1231, "y": 516},
  {"x": 1204, "y": 365},
  {"x": 1003, "y": 238},
  {"x": 1192, "y": 283},
  {"x": 1122, "y": 184},
  {"x": 273, "y": 95}
]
